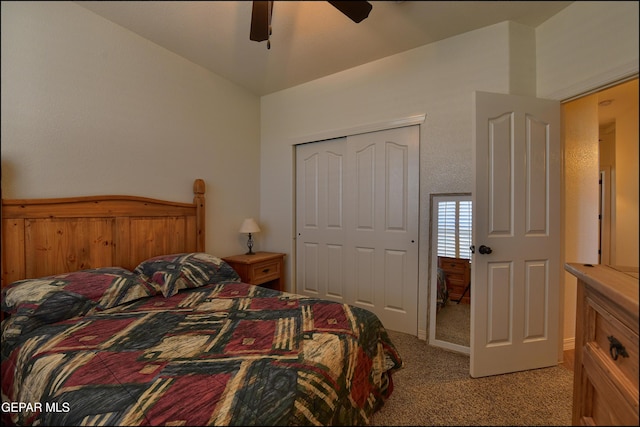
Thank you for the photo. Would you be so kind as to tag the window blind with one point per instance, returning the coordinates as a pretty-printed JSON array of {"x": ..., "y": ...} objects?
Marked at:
[{"x": 454, "y": 228}]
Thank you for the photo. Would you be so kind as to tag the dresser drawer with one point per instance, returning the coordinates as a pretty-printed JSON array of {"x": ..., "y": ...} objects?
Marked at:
[
  {"x": 265, "y": 271},
  {"x": 613, "y": 400},
  {"x": 607, "y": 328},
  {"x": 605, "y": 387}
]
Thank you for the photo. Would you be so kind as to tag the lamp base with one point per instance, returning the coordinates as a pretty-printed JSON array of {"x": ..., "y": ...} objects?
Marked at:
[{"x": 250, "y": 246}]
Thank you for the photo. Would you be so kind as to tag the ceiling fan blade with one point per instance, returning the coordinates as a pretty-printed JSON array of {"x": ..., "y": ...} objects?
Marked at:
[
  {"x": 355, "y": 10},
  {"x": 260, "y": 20}
]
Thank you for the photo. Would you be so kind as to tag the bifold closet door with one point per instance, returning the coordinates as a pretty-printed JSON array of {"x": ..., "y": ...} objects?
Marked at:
[{"x": 357, "y": 223}]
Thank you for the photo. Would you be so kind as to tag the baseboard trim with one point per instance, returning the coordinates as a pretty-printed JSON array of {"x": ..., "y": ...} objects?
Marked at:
[{"x": 568, "y": 344}]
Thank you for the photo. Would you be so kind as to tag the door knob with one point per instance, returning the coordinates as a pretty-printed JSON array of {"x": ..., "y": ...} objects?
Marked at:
[{"x": 484, "y": 249}]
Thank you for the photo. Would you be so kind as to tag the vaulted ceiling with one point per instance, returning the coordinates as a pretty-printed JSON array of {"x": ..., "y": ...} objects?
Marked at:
[{"x": 310, "y": 39}]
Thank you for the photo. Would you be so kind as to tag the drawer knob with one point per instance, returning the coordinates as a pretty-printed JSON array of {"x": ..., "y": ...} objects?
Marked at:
[
  {"x": 616, "y": 348},
  {"x": 266, "y": 270}
]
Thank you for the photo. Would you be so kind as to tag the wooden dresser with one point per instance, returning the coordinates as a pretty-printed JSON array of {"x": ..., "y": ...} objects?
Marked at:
[
  {"x": 605, "y": 387},
  {"x": 457, "y": 272}
]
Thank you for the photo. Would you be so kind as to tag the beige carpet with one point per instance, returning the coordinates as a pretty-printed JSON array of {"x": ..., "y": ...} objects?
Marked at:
[{"x": 434, "y": 388}]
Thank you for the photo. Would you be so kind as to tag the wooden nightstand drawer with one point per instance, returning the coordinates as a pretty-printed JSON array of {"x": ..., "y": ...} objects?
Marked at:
[
  {"x": 265, "y": 271},
  {"x": 453, "y": 265},
  {"x": 262, "y": 268},
  {"x": 456, "y": 279}
]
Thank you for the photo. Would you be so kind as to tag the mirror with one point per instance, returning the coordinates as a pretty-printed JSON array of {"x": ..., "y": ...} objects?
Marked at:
[
  {"x": 618, "y": 162},
  {"x": 450, "y": 295}
]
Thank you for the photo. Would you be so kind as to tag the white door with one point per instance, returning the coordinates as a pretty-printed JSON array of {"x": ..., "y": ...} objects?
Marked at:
[
  {"x": 357, "y": 223},
  {"x": 320, "y": 227},
  {"x": 516, "y": 233}
]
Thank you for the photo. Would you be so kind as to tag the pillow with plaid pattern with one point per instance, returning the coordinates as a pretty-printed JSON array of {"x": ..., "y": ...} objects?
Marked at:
[
  {"x": 185, "y": 270},
  {"x": 30, "y": 303}
]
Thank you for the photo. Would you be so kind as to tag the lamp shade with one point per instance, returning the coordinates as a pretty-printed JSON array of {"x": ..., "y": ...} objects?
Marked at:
[{"x": 249, "y": 226}]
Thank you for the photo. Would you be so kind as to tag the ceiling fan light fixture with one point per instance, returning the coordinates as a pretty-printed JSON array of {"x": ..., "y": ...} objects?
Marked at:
[
  {"x": 262, "y": 11},
  {"x": 357, "y": 11}
]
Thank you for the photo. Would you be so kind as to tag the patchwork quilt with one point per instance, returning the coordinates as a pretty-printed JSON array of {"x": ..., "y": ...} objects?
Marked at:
[{"x": 226, "y": 353}]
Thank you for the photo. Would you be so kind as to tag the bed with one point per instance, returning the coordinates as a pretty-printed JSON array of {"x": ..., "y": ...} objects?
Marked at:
[{"x": 115, "y": 314}]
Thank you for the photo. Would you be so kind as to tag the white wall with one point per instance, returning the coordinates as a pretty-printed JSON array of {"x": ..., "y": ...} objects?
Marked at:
[
  {"x": 586, "y": 45},
  {"x": 89, "y": 107}
]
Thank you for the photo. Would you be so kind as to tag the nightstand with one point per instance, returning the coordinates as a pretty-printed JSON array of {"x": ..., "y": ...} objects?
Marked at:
[
  {"x": 262, "y": 268},
  {"x": 458, "y": 276}
]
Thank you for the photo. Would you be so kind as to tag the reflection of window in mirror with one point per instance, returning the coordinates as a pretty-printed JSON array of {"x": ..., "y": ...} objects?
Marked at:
[{"x": 454, "y": 227}]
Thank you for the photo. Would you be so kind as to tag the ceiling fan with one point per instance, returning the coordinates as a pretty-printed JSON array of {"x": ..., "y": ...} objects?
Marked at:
[{"x": 262, "y": 10}]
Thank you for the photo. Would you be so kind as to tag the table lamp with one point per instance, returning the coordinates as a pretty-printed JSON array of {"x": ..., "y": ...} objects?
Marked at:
[{"x": 249, "y": 226}]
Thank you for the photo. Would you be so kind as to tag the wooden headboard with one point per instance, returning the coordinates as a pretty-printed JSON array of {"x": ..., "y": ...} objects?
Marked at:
[{"x": 42, "y": 237}]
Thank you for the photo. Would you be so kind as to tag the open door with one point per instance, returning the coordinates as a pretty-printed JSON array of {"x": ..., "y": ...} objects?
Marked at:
[{"x": 516, "y": 234}]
